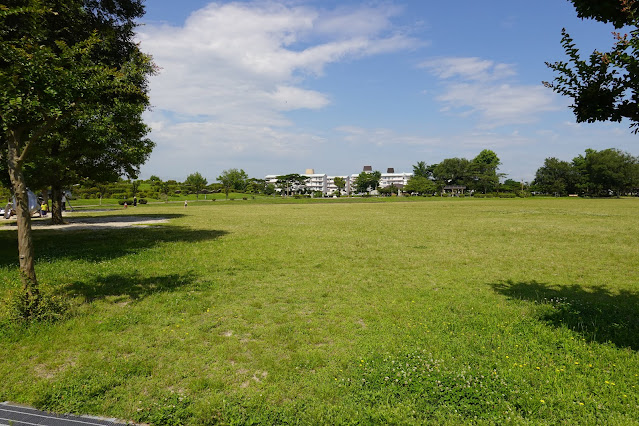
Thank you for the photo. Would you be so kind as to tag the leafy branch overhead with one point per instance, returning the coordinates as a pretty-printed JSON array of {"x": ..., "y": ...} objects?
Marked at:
[{"x": 605, "y": 86}]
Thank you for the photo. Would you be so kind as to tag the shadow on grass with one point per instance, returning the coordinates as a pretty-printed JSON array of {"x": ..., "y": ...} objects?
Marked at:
[
  {"x": 94, "y": 245},
  {"x": 134, "y": 286},
  {"x": 595, "y": 313}
]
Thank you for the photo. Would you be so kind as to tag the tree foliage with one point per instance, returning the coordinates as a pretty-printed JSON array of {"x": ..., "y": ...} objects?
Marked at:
[
  {"x": 233, "y": 180},
  {"x": 366, "y": 182},
  {"x": 196, "y": 182},
  {"x": 597, "y": 173},
  {"x": 291, "y": 182},
  {"x": 605, "y": 86},
  {"x": 453, "y": 171},
  {"x": 340, "y": 183},
  {"x": 421, "y": 185},
  {"x": 424, "y": 170},
  {"x": 58, "y": 61},
  {"x": 617, "y": 12},
  {"x": 484, "y": 170},
  {"x": 557, "y": 177}
]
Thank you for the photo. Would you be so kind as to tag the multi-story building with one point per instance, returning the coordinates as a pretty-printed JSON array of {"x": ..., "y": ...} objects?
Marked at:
[
  {"x": 316, "y": 181},
  {"x": 399, "y": 180},
  {"x": 326, "y": 184}
]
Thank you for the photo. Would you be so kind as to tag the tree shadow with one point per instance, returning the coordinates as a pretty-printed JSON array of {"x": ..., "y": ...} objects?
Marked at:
[
  {"x": 94, "y": 245},
  {"x": 133, "y": 287},
  {"x": 595, "y": 313}
]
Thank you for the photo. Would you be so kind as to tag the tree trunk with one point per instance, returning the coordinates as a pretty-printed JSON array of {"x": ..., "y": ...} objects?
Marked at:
[
  {"x": 56, "y": 204},
  {"x": 25, "y": 241}
]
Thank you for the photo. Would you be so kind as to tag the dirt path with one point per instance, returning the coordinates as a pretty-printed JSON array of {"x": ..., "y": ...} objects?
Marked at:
[{"x": 102, "y": 222}]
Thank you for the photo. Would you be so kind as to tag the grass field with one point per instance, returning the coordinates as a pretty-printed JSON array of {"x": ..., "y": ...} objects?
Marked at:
[{"x": 436, "y": 311}]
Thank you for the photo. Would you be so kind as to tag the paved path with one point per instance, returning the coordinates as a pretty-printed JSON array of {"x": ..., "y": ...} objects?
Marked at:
[{"x": 16, "y": 415}]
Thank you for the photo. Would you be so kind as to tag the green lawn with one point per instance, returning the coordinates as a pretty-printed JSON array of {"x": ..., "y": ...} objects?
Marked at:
[{"x": 436, "y": 311}]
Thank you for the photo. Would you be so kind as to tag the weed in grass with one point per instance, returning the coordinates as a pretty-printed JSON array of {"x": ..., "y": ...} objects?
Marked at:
[
  {"x": 52, "y": 306},
  {"x": 416, "y": 379},
  {"x": 172, "y": 409}
]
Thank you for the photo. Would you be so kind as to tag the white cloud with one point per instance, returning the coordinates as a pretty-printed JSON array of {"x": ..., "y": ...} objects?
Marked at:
[
  {"x": 474, "y": 86},
  {"x": 501, "y": 104},
  {"x": 383, "y": 137},
  {"x": 232, "y": 70},
  {"x": 468, "y": 68}
]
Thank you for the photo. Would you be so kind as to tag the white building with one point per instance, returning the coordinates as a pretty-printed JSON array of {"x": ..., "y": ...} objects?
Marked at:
[
  {"x": 399, "y": 180},
  {"x": 316, "y": 181}
]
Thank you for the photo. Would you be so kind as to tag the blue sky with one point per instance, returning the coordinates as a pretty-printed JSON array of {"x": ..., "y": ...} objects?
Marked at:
[{"x": 282, "y": 86}]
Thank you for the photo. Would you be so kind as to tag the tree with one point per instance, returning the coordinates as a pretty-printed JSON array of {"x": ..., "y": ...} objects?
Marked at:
[
  {"x": 424, "y": 170},
  {"x": 164, "y": 188},
  {"x": 420, "y": 185},
  {"x": 608, "y": 171},
  {"x": 340, "y": 183},
  {"x": 100, "y": 142},
  {"x": 233, "y": 179},
  {"x": 196, "y": 182},
  {"x": 365, "y": 182},
  {"x": 291, "y": 182},
  {"x": 57, "y": 58},
  {"x": 135, "y": 186},
  {"x": 388, "y": 190},
  {"x": 511, "y": 185},
  {"x": 269, "y": 189},
  {"x": 455, "y": 171},
  {"x": 557, "y": 177},
  {"x": 255, "y": 186},
  {"x": 484, "y": 170},
  {"x": 606, "y": 86}
]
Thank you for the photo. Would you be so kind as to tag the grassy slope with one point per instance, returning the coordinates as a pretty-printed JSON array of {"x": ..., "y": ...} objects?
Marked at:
[{"x": 440, "y": 310}]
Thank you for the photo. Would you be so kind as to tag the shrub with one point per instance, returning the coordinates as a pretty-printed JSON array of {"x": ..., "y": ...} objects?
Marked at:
[
  {"x": 142, "y": 201},
  {"x": 507, "y": 195},
  {"x": 51, "y": 306},
  {"x": 128, "y": 202}
]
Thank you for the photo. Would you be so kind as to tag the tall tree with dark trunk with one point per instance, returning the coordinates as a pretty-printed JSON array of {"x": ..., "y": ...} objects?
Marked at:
[{"x": 56, "y": 59}]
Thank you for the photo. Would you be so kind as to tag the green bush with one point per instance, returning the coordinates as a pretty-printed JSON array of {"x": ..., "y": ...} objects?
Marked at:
[
  {"x": 128, "y": 202},
  {"x": 50, "y": 307},
  {"x": 142, "y": 201},
  {"x": 507, "y": 195}
]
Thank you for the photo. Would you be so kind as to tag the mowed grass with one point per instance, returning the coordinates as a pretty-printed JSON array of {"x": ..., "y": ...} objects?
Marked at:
[{"x": 437, "y": 311}]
